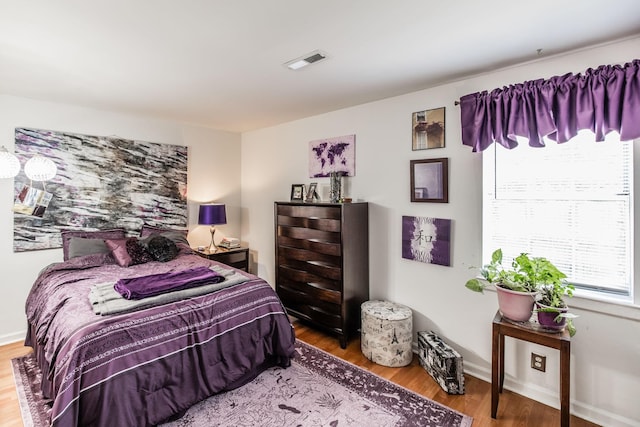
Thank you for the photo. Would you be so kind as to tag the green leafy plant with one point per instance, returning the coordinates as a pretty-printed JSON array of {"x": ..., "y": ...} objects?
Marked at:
[
  {"x": 552, "y": 300},
  {"x": 527, "y": 274}
]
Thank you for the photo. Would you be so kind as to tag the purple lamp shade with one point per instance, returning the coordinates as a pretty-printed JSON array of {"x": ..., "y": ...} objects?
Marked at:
[{"x": 213, "y": 214}]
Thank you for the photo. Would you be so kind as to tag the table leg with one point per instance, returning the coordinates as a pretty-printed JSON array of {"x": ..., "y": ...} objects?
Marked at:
[
  {"x": 501, "y": 362},
  {"x": 496, "y": 349},
  {"x": 565, "y": 382}
]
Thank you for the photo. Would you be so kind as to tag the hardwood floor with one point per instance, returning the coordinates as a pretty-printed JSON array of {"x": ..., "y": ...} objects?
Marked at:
[
  {"x": 514, "y": 410},
  {"x": 9, "y": 408}
]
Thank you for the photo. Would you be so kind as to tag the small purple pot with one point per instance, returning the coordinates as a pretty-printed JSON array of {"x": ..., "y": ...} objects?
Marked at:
[{"x": 547, "y": 319}]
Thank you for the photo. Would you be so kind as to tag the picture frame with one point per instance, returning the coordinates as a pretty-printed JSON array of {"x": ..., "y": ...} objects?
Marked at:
[
  {"x": 426, "y": 240},
  {"x": 311, "y": 193},
  {"x": 337, "y": 154},
  {"x": 430, "y": 180},
  {"x": 297, "y": 192},
  {"x": 428, "y": 129}
]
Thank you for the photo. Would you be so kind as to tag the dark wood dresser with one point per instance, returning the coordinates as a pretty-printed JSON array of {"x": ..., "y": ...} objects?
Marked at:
[{"x": 322, "y": 263}]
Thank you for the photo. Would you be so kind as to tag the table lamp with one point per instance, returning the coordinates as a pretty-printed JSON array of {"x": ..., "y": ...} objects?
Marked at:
[{"x": 212, "y": 214}]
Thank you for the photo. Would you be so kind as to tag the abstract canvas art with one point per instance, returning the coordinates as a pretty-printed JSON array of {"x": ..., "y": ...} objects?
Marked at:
[
  {"x": 332, "y": 155},
  {"x": 426, "y": 240},
  {"x": 102, "y": 182}
]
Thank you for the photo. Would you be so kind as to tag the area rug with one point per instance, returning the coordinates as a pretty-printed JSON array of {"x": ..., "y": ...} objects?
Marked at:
[{"x": 318, "y": 389}]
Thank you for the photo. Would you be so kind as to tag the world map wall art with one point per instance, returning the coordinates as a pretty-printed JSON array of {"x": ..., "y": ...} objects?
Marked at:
[
  {"x": 102, "y": 182},
  {"x": 426, "y": 240},
  {"x": 332, "y": 155}
]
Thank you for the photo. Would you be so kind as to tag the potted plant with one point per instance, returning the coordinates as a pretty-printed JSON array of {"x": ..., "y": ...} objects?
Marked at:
[
  {"x": 553, "y": 311},
  {"x": 518, "y": 286}
]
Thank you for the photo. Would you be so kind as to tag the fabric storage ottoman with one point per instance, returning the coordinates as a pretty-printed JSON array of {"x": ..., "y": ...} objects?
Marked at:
[
  {"x": 441, "y": 361},
  {"x": 387, "y": 332}
]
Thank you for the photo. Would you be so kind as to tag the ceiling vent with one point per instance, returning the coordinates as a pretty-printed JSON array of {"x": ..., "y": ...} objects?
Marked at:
[{"x": 308, "y": 59}]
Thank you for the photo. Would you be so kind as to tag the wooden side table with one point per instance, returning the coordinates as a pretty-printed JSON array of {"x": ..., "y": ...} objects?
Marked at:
[
  {"x": 235, "y": 257},
  {"x": 559, "y": 341}
]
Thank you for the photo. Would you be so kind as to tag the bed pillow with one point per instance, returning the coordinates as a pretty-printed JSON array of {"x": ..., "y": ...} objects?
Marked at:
[
  {"x": 118, "y": 249},
  {"x": 148, "y": 230},
  {"x": 128, "y": 252},
  {"x": 67, "y": 235},
  {"x": 138, "y": 252},
  {"x": 162, "y": 249},
  {"x": 177, "y": 237},
  {"x": 80, "y": 246}
]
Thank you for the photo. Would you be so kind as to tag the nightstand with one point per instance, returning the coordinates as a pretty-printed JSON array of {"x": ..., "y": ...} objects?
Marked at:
[{"x": 236, "y": 257}]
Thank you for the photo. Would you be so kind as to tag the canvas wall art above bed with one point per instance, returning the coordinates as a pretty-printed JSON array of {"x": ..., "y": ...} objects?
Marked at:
[
  {"x": 132, "y": 331},
  {"x": 102, "y": 182}
]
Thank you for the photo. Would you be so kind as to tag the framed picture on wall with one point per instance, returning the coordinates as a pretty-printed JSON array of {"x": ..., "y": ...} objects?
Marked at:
[
  {"x": 430, "y": 180},
  {"x": 297, "y": 192},
  {"x": 426, "y": 240},
  {"x": 428, "y": 129}
]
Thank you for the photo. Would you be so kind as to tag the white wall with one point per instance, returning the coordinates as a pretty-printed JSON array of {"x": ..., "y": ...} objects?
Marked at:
[
  {"x": 213, "y": 175},
  {"x": 605, "y": 352}
]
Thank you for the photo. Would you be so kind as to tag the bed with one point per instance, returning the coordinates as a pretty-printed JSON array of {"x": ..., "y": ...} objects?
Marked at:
[{"x": 144, "y": 364}]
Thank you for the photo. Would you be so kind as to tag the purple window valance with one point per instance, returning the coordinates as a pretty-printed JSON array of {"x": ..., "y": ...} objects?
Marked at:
[{"x": 604, "y": 99}]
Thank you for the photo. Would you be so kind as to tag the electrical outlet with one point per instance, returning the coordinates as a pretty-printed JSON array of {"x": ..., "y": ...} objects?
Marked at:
[{"x": 538, "y": 362}]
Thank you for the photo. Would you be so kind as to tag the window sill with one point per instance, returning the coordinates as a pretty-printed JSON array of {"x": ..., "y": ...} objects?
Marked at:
[{"x": 616, "y": 307}]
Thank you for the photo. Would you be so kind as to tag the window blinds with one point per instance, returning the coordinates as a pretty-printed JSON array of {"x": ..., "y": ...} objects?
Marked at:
[{"x": 570, "y": 203}]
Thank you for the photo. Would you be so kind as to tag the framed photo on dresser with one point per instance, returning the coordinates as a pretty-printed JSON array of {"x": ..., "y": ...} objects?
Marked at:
[
  {"x": 311, "y": 192},
  {"x": 297, "y": 192}
]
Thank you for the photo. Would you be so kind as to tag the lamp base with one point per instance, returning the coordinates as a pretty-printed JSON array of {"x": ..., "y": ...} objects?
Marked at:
[{"x": 213, "y": 247}]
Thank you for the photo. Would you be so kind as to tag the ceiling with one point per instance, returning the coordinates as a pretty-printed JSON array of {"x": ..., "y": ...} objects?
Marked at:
[{"x": 219, "y": 63}]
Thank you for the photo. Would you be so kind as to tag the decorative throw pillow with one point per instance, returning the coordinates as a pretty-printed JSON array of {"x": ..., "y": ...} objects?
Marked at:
[
  {"x": 128, "y": 252},
  {"x": 80, "y": 246},
  {"x": 67, "y": 235},
  {"x": 137, "y": 252},
  {"x": 162, "y": 249},
  {"x": 119, "y": 251}
]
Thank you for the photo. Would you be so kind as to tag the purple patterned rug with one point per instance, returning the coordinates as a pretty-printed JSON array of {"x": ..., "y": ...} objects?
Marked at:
[{"x": 318, "y": 389}]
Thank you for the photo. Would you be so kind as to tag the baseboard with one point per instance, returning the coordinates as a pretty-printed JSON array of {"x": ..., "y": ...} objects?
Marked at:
[
  {"x": 549, "y": 398},
  {"x": 13, "y": 337}
]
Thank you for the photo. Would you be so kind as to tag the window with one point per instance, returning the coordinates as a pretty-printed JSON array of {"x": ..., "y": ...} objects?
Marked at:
[{"x": 571, "y": 203}]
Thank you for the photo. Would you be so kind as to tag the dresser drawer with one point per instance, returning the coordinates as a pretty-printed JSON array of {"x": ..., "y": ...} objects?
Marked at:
[
  {"x": 317, "y": 268},
  {"x": 305, "y": 282},
  {"x": 302, "y": 233},
  {"x": 332, "y": 225},
  {"x": 312, "y": 212},
  {"x": 300, "y": 303},
  {"x": 314, "y": 245}
]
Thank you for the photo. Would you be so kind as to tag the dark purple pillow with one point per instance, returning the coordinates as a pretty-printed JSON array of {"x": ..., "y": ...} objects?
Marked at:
[
  {"x": 67, "y": 235},
  {"x": 162, "y": 249},
  {"x": 177, "y": 237},
  {"x": 137, "y": 252}
]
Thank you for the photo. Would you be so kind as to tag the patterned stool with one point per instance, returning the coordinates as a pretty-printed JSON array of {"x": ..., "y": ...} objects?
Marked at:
[{"x": 387, "y": 333}]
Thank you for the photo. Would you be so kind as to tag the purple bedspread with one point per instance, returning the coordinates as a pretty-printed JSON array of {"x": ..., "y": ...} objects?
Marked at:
[
  {"x": 139, "y": 368},
  {"x": 156, "y": 284}
]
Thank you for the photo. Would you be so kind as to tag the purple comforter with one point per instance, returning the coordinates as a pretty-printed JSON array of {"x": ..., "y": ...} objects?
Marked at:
[{"x": 138, "y": 369}]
